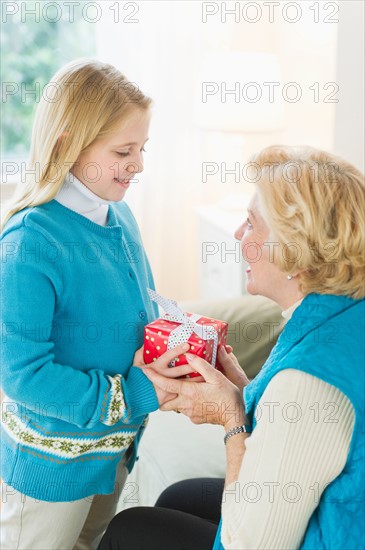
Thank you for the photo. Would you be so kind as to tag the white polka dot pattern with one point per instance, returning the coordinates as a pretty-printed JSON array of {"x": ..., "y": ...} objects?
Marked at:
[{"x": 188, "y": 327}]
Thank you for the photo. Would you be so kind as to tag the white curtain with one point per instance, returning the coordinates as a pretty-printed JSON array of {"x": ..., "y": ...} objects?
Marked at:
[{"x": 162, "y": 52}]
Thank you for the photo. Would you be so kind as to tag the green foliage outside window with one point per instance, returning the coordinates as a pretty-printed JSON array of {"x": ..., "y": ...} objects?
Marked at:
[{"x": 32, "y": 51}]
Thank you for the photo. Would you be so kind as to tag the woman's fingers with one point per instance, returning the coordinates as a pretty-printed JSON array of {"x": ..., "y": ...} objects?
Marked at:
[
  {"x": 226, "y": 359},
  {"x": 201, "y": 366},
  {"x": 208, "y": 402},
  {"x": 195, "y": 379},
  {"x": 169, "y": 385},
  {"x": 232, "y": 369},
  {"x": 169, "y": 355},
  {"x": 171, "y": 405},
  {"x": 162, "y": 363},
  {"x": 175, "y": 372}
]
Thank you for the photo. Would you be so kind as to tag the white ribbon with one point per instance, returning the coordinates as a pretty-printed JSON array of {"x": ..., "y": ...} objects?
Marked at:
[{"x": 188, "y": 325}]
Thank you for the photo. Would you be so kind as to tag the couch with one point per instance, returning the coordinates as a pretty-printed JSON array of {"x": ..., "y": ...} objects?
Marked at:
[{"x": 172, "y": 448}]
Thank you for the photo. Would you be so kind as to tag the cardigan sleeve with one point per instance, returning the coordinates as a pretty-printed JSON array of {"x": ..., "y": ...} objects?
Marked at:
[
  {"x": 30, "y": 289},
  {"x": 299, "y": 445}
]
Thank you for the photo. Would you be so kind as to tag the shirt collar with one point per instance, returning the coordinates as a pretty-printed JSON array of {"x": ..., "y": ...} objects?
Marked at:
[
  {"x": 75, "y": 187},
  {"x": 287, "y": 313},
  {"x": 79, "y": 198}
]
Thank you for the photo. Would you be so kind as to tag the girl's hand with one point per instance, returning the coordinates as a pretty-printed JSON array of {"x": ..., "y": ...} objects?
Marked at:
[
  {"x": 231, "y": 368},
  {"x": 161, "y": 366},
  {"x": 138, "y": 360},
  {"x": 215, "y": 401}
]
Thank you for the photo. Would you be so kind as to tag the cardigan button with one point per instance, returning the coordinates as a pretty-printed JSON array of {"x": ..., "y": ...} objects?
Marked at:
[{"x": 142, "y": 314}]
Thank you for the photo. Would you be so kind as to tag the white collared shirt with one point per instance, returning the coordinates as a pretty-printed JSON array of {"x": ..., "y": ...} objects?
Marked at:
[
  {"x": 76, "y": 196},
  {"x": 287, "y": 313}
]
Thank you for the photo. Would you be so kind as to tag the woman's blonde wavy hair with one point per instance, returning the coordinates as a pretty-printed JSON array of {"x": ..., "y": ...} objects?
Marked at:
[
  {"x": 314, "y": 204},
  {"x": 85, "y": 100}
]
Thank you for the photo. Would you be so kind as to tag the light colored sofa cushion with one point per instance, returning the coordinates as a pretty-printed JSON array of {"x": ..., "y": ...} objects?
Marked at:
[
  {"x": 172, "y": 449},
  {"x": 255, "y": 323}
]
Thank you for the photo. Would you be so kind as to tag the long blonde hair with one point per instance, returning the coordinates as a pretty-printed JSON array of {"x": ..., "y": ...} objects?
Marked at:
[
  {"x": 314, "y": 205},
  {"x": 84, "y": 100}
]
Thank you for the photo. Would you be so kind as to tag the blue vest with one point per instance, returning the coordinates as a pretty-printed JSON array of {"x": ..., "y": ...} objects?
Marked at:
[{"x": 325, "y": 338}]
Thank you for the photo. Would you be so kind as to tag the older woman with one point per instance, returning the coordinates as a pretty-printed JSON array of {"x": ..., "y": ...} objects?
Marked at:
[{"x": 294, "y": 435}]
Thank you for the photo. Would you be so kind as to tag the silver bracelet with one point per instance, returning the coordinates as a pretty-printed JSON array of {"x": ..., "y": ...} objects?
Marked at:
[{"x": 240, "y": 429}]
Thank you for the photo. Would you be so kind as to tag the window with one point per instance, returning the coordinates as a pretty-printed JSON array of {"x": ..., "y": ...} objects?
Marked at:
[{"x": 35, "y": 43}]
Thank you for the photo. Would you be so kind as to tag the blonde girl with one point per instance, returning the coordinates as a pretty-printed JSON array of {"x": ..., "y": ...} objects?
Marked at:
[{"x": 74, "y": 304}]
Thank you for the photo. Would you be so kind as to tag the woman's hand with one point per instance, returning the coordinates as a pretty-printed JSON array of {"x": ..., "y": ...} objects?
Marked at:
[
  {"x": 161, "y": 366},
  {"x": 231, "y": 368},
  {"x": 214, "y": 401}
]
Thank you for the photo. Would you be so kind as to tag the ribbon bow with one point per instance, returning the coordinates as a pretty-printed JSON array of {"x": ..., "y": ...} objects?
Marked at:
[{"x": 188, "y": 325}]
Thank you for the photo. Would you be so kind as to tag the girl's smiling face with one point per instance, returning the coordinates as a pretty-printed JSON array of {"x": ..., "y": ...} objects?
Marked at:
[{"x": 108, "y": 165}]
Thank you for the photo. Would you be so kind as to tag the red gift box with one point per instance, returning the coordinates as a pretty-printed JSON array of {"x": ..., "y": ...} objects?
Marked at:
[{"x": 157, "y": 333}]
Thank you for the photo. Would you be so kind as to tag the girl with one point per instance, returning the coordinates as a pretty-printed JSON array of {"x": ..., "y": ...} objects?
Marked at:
[{"x": 74, "y": 304}]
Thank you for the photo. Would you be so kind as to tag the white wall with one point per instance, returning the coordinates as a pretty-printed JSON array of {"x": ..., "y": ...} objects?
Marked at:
[
  {"x": 349, "y": 128},
  {"x": 163, "y": 53}
]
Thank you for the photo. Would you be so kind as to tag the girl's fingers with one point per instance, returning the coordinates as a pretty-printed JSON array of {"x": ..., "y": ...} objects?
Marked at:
[{"x": 138, "y": 357}]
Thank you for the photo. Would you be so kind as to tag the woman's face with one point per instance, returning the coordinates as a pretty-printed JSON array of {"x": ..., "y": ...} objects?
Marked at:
[{"x": 263, "y": 276}]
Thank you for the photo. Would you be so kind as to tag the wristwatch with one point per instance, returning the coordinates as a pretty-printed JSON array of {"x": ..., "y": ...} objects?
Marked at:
[{"x": 238, "y": 430}]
